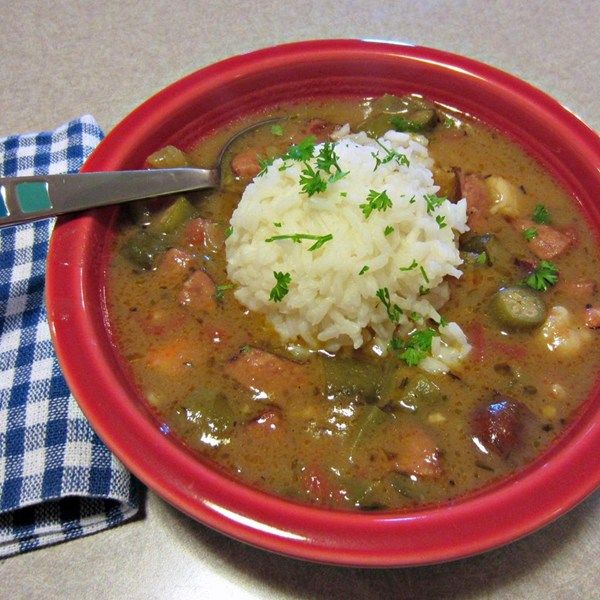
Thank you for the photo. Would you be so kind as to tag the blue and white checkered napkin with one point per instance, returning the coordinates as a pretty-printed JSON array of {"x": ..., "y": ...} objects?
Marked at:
[{"x": 57, "y": 479}]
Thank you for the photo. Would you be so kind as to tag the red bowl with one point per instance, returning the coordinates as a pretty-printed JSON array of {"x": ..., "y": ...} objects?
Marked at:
[{"x": 561, "y": 477}]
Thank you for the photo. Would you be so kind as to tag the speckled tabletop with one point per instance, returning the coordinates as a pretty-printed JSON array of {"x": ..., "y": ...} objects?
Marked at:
[{"x": 62, "y": 59}]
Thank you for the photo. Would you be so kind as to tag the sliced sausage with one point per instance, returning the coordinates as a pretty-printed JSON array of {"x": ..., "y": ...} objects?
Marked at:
[
  {"x": 198, "y": 292},
  {"x": 261, "y": 371},
  {"x": 246, "y": 164},
  {"x": 549, "y": 242},
  {"x": 474, "y": 190},
  {"x": 499, "y": 425}
]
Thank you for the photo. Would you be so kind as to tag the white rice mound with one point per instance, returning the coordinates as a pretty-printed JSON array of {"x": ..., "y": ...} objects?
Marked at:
[{"x": 330, "y": 304}]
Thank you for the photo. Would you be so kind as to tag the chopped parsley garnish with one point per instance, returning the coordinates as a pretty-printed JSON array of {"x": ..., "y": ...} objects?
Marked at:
[
  {"x": 393, "y": 310},
  {"x": 389, "y": 229},
  {"x": 228, "y": 231},
  {"x": 221, "y": 289},
  {"x": 277, "y": 129},
  {"x": 443, "y": 322},
  {"x": 278, "y": 224},
  {"x": 416, "y": 347},
  {"x": 541, "y": 214},
  {"x": 530, "y": 233},
  {"x": 343, "y": 194},
  {"x": 376, "y": 201},
  {"x": 544, "y": 276},
  {"x": 441, "y": 221},
  {"x": 280, "y": 289},
  {"x": 311, "y": 181},
  {"x": 264, "y": 164},
  {"x": 298, "y": 237},
  {"x": 303, "y": 150},
  {"x": 364, "y": 270},
  {"x": 423, "y": 290},
  {"x": 412, "y": 200},
  {"x": 413, "y": 265},
  {"x": 415, "y": 316},
  {"x": 390, "y": 155},
  {"x": 433, "y": 202},
  {"x": 424, "y": 274},
  {"x": 326, "y": 159}
]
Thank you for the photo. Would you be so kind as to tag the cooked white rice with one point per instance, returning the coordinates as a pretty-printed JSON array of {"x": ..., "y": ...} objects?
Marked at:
[{"x": 330, "y": 304}]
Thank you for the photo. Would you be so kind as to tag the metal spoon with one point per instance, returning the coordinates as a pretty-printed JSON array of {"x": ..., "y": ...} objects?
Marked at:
[{"x": 25, "y": 199}]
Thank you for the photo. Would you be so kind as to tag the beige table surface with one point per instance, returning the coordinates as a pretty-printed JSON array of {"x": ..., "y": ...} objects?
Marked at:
[{"x": 61, "y": 59}]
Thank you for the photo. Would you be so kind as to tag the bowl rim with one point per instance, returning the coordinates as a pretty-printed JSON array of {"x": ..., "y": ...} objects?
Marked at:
[{"x": 547, "y": 488}]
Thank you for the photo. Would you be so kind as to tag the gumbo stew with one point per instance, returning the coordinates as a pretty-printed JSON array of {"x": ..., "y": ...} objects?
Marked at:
[{"x": 361, "y": 429}]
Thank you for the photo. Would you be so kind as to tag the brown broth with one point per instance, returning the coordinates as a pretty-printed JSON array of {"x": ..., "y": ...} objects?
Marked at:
[{"x": 178, "y": 356}]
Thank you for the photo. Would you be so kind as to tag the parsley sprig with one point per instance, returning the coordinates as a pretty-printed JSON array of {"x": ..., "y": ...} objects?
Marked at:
[
  {"x": 393, "y": 310},
  {"x": 376, "y": 201},
  {"x": 311, "y": 181},
  {"x": 390, "y": 155},
  {"x": 413, "y": 265},
  {"x": 530, "y": 233},
  {"x": 327, "y": 159},
  {"x": 433, "y": 202},
  {"x": 303, "y": 150},
  {"x": 314, "y": 179},
  {"x": 280, "y": 289},
  {"x": 264, "y": 164},
  {"x": 544, "y": 276},
  {"x": 221, "y": 289},
  {"x": 416, "y": 347},
  {"x": 298, "y": 237}
]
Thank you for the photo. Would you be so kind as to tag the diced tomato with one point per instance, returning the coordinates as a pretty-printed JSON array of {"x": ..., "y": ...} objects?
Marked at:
[
  {"x": 204, "y": 234},
  {"x": 172, "y": 358},
  {"x": 474, "y": 190},
  {"x": 482, "y": 345},
  {"x": 320, "y": 129},
  {"x": 592, "y": 317},
  {"x": 549, "y": 241},
  {"x": 261, "y": 371},
  {"x": 246, "y": 164},
  {"x": 514, "y": 351},
  {"x": 198, "y": 292},
  {"x": 476, "y": 336}
]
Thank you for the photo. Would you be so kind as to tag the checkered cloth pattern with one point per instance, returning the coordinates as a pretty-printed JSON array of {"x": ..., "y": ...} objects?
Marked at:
[{"x": 57, "y": 479}]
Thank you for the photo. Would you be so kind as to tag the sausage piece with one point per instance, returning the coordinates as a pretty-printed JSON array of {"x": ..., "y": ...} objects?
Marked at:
[
  {"x": 266, "y": 373},
  {"x": 500, "y": 425},
  {"x": 549, "y": 242},
  {"x": 474, "y": 190},
  {"x": 198, "y": 292}
]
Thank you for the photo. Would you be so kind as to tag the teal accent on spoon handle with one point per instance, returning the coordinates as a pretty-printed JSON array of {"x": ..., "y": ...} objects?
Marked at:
[{"x": 30, "y": 198}]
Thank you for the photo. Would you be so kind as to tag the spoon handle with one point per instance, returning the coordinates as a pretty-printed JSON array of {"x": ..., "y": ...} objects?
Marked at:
[{"x": 29, "y": 198}]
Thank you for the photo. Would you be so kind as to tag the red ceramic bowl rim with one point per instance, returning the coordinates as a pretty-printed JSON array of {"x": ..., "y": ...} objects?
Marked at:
[{"x": 557, "y": 481}]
